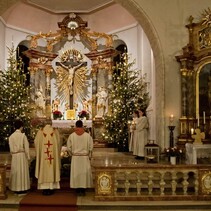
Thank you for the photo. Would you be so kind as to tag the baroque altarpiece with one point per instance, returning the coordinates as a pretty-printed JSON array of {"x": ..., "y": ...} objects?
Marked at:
[
  {"x": 195, "y": 68},
  {"x": 81, "y": 79}
]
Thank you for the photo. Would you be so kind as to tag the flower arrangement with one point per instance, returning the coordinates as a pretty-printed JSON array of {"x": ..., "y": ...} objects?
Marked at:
[
  {"x": 57, "y": 114},
  {"x": 83, "y": 114},
  {"x": 173, "y": 151}
]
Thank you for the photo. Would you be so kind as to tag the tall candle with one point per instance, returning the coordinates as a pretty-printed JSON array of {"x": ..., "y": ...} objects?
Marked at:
[
  {"x": 171, "y": 119},
  {"x": 198, "y": 121},
  {"x": 204, "y": 117},
  {"x": 192, "y": 131}
]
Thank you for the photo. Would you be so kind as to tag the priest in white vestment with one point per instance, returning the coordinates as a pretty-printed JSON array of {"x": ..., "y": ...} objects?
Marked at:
[
  {"x": 19, "y": 180},
  {"x": 80, "y": 145},
  {"x": 48, "y": 161}
]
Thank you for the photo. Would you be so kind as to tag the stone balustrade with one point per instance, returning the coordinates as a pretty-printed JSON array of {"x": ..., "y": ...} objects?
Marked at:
[{"x": 153, "y": 182}]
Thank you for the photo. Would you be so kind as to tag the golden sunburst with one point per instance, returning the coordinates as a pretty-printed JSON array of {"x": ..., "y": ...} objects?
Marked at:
[{"x": 206, "y": 19}]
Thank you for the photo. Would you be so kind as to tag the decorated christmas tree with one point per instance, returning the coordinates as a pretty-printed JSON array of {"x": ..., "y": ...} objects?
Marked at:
[
  {"x": 14, "y": 98},
  {"x": 127, "y": 94}
]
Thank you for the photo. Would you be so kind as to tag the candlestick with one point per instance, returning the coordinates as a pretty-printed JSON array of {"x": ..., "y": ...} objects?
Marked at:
[
  {"x": 171, "y": 135},
  {"x": 204, "y": 117}
]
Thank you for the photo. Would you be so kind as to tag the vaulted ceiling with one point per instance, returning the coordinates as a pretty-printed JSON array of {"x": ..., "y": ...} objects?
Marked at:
[{"x": 67, "y": 6}]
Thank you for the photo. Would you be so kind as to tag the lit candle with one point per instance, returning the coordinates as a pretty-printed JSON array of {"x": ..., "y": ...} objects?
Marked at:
[
  {"x": 192, "y": 131},
  {"x": 204, "y": 117},
  {"x": 171, "y": 119}
]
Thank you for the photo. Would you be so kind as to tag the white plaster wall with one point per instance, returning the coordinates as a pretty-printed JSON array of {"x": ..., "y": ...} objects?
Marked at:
[
  {"x": 13, "y": 36},
  {"x": 2, "y": 41}
]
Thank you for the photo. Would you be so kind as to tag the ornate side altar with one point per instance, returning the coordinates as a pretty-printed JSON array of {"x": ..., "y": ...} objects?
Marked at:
[{"x": 195, "y": 63}]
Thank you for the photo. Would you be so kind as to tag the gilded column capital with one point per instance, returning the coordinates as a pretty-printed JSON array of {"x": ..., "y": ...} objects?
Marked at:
[
  {"x": 184, "y": 71},
  {"x": 48, "y": 71},
  {"x": 94, "y": 71},
  {"x": 32, "y": 70}
]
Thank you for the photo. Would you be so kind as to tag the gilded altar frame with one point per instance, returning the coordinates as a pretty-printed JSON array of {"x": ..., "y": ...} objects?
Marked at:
[
  {"x": 101, "y": 54},
  {"x": 195, "y": 57}
]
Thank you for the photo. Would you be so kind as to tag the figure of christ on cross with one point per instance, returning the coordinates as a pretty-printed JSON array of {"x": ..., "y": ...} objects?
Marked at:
[{"x": 71, "y": 67}]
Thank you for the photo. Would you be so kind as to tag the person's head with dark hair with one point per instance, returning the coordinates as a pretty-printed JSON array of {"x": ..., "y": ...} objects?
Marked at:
[
  {"x": 79, "y": 130},
  {"x": 79, "y": 123},
  {"x": 142, "y": 112},
  {"x": 136, "y": 114},
  {"x": 18, "y": 124}
]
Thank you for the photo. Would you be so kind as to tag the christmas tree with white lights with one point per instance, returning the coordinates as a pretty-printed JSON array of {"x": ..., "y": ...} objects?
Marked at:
[
  {"x": 129, "y": 92},
  {"x": 14, "y": 98}
]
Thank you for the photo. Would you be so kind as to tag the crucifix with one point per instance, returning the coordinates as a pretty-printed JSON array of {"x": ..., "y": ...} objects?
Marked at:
[{"x": 71, "y": 67}]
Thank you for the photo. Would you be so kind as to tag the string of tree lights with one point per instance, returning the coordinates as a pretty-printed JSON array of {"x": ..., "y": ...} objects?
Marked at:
[
  {"x": 14, "y": 97},
  {"x": 128, "y": 93}
]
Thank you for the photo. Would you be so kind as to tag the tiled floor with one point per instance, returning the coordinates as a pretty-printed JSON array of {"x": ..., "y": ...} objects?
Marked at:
[{"x": 89, "y": 204}]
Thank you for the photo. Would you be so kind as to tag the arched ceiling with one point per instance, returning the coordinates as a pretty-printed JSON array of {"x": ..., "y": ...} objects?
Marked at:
[{"x": 68, "y": 6}]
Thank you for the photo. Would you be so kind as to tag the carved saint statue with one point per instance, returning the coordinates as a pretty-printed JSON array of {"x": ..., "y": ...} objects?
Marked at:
[
  {"x": 40, "y": 102},
  {"x": 102, "y": 98}
]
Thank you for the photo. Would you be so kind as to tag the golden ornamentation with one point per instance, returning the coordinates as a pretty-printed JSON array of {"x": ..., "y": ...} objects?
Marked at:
[
  {"x": 206, "y": 182},
  {"x": 71, "y": 26},
  {"x": 42, "y": 60},
  {"x": 206, "y": 20},
  {"x": 198, "y": 137},
  {"x": 104, "y": 184},
  {"x": 79, "y": 77},
  {"x": 70, "y": 114}
]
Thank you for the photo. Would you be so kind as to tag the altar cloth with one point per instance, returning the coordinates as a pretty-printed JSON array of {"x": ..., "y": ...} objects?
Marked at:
[{"x": 70, "y": 123}]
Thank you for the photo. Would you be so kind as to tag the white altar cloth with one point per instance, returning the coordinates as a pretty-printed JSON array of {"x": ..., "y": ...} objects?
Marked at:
[
  {"x": 70, "y": 123},
  {"x": 194, "y": 151}
]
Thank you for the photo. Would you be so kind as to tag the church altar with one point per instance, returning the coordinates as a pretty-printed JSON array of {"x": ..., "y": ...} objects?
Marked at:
[
  {"x": 70, "y": 123},
  {"x": 194, "y": 151}
]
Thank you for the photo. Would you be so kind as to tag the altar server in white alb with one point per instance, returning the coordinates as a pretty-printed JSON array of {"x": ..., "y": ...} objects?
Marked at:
[
  {"x": 140, "y": 134},
  {"x": 80, "y": 145},
  {"x": 19, "y": 181},
  {"x": 48, "y": 161}
]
